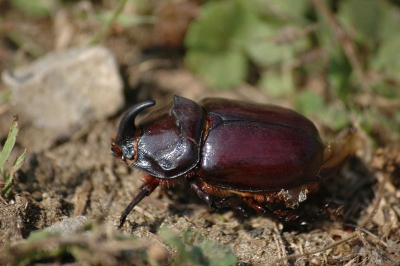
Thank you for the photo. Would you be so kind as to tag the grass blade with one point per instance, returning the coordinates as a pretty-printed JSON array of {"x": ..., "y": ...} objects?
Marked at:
[
  {"x": 8, "y": 146},
  {"x": 16, "y": 166}
]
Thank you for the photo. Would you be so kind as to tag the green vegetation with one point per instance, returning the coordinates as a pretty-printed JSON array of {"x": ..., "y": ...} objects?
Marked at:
[
  {"x": 194, "y": 250},
  {"x": 9, "y": 176},
  {"x": 350, "y": 46},
  {"x": 191, "y": 248},
  {"x": 230, "y": 34}
]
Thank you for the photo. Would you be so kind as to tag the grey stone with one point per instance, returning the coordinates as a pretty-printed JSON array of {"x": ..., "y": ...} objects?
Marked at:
[
  {"x": 69, "y": 226},
  {"x": 67, "y": 88}
]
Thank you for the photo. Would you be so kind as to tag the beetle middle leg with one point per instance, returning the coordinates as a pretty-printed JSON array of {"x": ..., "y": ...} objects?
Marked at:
[{"x": 203, "y": 195}]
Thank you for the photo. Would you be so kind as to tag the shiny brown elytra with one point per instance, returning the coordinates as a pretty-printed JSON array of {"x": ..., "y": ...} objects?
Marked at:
[{"x": 231, "y": 153}]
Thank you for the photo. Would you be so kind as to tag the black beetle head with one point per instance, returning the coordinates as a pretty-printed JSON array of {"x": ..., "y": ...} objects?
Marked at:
[{"x": 122, "y": 144}]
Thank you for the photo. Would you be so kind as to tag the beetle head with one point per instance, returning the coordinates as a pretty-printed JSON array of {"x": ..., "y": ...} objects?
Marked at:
[{"x": 122, "y": 144}]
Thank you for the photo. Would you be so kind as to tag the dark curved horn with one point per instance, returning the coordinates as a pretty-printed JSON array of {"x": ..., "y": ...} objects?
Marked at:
[{"x": 127, "y": 128}]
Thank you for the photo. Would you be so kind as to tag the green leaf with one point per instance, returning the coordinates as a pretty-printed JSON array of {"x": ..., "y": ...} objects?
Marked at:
[
  {"x": 209, "y": 252},
  {"x": 388, "y": 59},
  {"x": 217, "y": 254},
  {"x": 216, "y": 43},
  {"x": 10, "y": 142},
  {"x": 340, "y": 73},
  {"x": 335, "y": 118},
  {"x": 221, "y": 70},
  {"x": 260, "y": 46},
  {"x": 308, "y": 103},
  {"x": 277, "y": 84},
  {"x": 40, "y": 235},
  {"x": 8, "y": 178},
  {"x": 233, "y": 32},
  {"x": 18, "y": 163},
  {"x": 265, "y": 48},
  {"x": 289, "y": 9},
  {"x": 339, "y": 68},
  {"x": 364, "y": 19},
  {"x": 11, "y": 176},
  {"x": 35, "y": 8},
  {"x": 172, "y": 239},
  {"x": 215, "y": 28},
  {"x": 390, "y": 21},
  {"x": 311, "y": 104}
]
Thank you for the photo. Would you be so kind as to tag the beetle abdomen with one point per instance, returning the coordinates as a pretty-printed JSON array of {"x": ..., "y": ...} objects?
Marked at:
[
  {"x": 230, "y": 110},
  {"x": 259, "y": 156}
]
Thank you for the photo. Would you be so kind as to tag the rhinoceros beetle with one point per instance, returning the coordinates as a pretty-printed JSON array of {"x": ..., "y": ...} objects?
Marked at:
[{"x": 231, "y": 153}]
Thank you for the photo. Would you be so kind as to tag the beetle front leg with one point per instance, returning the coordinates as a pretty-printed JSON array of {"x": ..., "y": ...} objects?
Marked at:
[
  {"x": 145, "y": 190},
  {"x": 203, "y": 195}
]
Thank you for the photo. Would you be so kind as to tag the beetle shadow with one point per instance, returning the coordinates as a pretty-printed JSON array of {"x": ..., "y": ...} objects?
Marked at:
[
  {"x": 352, "y": 188},
  {"x": 340, "y": 199}
]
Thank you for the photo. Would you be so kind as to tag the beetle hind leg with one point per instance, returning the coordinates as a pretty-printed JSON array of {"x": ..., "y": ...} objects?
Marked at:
[
  {"x": 282, "y": 215},
  {"x": 232, "y": 203}
]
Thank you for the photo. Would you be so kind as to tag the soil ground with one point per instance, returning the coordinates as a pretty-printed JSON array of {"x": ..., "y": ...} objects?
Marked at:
[{"x": 79, "y": 177}]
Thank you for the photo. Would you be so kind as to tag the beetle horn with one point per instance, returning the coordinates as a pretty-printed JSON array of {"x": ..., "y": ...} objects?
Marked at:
[{"x": 127, "y": 128}]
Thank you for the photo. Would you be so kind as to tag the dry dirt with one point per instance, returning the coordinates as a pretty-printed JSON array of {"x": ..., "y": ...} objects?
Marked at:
[{"x": 77, "y": 176}]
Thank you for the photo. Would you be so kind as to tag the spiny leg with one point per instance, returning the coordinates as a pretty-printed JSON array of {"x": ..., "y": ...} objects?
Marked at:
[
  {"x": 231, "y": 203},
  {"x": 145, "y": 190},
  {"x": 283, "y": 215},
  {"x": 203, "y": 195},
  {"x": 317, "y": 214},
  {"x": 219, "y": 201}
]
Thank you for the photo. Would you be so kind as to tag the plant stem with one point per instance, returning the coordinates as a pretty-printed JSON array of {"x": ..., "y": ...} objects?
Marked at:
[{"x": 96, "y": 39}]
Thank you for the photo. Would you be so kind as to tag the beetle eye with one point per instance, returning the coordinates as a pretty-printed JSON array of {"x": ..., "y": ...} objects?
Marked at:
[{"x": 116, "y": 151}]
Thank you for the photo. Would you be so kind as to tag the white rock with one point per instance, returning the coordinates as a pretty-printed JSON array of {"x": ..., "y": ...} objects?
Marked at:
[
  {"x": 69, "y": 226},
  {"x": 67, "y": 88}
]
